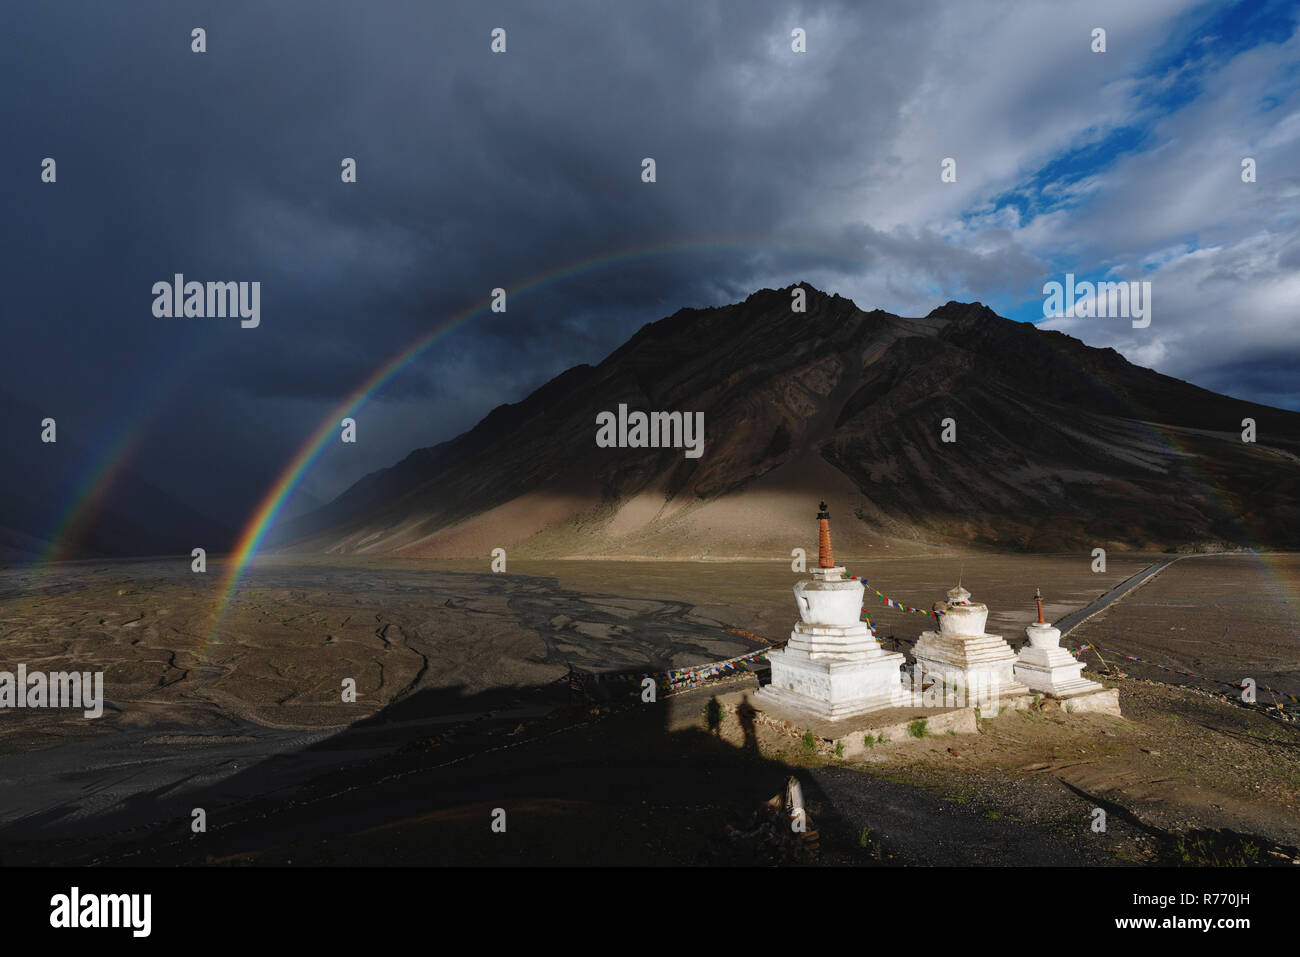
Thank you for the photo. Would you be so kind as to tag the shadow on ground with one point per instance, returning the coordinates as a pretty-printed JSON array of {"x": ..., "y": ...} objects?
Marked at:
[
  {"x": 578, "y": 776},
  {"x": 601, "y": 779}
]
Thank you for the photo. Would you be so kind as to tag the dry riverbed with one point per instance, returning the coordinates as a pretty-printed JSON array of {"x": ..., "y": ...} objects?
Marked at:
[{"x": 245, "y": 711}]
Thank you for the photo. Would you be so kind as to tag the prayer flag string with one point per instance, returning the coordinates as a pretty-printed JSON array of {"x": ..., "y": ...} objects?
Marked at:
[{"x": 894, "y": 603}]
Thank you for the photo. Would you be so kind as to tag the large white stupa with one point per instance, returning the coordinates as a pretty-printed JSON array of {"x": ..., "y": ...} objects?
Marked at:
[
  {"x": 833, "y": 667},
  {"x": 962, "y": 654}
]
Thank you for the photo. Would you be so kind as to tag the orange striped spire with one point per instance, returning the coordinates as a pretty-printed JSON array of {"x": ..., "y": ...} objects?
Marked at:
[
  {"x": 1038, "y": 597},
  {"x": 824, "y": 559}
]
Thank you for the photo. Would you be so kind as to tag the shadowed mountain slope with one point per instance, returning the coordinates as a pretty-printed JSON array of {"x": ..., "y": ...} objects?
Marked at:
[{"x": 1058, "y": 445}]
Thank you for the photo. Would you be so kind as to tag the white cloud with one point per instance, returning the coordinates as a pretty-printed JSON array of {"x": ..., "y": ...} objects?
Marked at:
[{"x": 1006, "y": 93}]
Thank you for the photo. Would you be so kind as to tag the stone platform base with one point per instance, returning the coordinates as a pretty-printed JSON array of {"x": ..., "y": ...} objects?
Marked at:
[
  {"x": 888, "y": 726},
  {"x": 1099, "y": 699},
  {"x": 805, "y": 708},
  {"x": 832, "y": 689}
]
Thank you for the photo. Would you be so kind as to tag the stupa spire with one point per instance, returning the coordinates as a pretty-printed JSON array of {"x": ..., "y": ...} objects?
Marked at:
[
  {"x": 1038, "y": 597},
  {"x": 824, "y": 559}
]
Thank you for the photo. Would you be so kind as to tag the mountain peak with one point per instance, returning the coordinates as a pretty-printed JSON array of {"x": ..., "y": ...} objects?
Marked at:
[
  {"x": 954, "y": 311},
  {"x": 765, "y": 295}
]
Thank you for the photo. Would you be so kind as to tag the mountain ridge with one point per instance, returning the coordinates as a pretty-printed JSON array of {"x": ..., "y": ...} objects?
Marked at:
[{"x": 1058, "y": 444}]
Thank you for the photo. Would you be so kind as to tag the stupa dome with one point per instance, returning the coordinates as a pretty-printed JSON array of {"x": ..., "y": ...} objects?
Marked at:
[{"x": 959, "y": 615}]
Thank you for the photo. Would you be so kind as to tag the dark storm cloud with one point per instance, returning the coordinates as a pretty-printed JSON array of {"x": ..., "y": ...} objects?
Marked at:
[{"x": 474, "y": 171}]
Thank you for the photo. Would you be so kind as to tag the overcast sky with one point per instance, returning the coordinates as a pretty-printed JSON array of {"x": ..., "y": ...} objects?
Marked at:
[{"x": 478, "y": 170}]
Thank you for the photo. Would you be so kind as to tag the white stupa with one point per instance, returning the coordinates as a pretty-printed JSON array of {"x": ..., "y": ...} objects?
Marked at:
[
  {"x": 833, "y": 667},
  {"x": 962, "y": 654},
  {"x": 1045, "y": 666}
]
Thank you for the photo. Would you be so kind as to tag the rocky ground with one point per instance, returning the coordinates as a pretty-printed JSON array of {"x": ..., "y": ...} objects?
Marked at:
[
  {"x": 461, "y": 714},
  {"x": 1184, "y": 777}
]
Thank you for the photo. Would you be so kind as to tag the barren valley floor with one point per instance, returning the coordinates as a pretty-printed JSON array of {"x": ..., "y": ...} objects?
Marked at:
[{"x": 459, "y": 711}]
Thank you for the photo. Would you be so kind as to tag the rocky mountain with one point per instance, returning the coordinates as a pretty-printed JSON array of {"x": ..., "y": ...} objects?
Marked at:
[{"x": 1058, "y": 445}]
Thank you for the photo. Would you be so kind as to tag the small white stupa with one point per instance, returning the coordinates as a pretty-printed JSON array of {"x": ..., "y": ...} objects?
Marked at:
[
  {"x": 962, "y": 654},
  {"x": 1045, "y": 666},
  {"x": 833, "y": 667}
]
